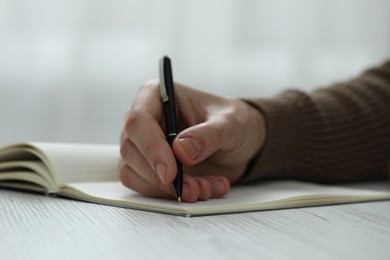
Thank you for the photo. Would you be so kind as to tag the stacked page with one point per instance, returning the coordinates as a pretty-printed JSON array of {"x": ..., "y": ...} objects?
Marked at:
[{"x": 90, "y": 173}]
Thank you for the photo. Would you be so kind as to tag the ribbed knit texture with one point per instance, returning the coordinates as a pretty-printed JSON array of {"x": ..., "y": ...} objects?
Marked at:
[{"x": 334, "y": 134}]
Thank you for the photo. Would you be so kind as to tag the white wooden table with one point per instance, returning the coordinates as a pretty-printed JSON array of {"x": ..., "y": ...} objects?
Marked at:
[{"x": 37, "y": 227}]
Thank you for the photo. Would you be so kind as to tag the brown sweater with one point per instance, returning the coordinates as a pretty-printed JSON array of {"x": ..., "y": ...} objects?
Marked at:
[{"x": 334, "y": 134}]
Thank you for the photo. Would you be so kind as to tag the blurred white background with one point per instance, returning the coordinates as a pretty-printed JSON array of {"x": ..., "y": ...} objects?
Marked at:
[{"x": 69, "y": 69}]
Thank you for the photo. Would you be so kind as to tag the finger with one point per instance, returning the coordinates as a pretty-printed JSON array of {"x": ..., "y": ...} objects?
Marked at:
[
  {"x": 191, "y": 189},
  {"x": 135, "y": 160},
  {"x": 133, "y": 181},
  {"x": 204, "y": 188},
  {"x": 219, "y": 185},
  {"x": 149, "y": 140},
  {"x": 198, "y": 142},
  {"x": 144, "y": 131}
]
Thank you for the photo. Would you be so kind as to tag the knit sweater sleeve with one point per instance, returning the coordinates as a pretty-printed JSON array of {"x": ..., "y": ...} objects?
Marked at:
[{"x": 334, "y": 134}]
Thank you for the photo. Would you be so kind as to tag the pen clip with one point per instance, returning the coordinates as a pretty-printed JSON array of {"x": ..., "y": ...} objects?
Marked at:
[{"x": 163, "y": 90}]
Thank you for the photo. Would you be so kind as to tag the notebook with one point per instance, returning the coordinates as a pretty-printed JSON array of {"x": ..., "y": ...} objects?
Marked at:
[{"x": 89, "y": 173}]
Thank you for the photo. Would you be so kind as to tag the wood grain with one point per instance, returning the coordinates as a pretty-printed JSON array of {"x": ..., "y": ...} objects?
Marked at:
[{"x": 33, "y": 226}]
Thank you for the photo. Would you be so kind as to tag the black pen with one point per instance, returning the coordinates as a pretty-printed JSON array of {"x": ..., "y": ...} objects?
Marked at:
[{"x": 168, "y": 98}]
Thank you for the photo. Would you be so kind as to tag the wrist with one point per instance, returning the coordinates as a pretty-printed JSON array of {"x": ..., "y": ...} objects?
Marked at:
[{"x": 254, "y": 134}]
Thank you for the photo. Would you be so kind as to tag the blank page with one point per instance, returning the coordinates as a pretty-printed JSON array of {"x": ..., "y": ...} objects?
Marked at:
[
  {"x": 260, "y": 196},
  {"x": 82, "y": 162}
]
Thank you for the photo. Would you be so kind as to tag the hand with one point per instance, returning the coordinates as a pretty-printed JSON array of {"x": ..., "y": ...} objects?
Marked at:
[{"x": 218, "y": 139}]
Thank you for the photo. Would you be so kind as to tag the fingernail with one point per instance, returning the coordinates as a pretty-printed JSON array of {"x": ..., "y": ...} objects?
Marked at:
[
  {"x": 161, "y": 169},
  {"x": 217, "y": 187},
  {"x": 191, "y": 147}
]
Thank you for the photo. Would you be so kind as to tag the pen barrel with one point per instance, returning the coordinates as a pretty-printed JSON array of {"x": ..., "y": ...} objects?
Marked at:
[
  {"x": 171, "y": 120},
  {"x": 171, "y": 137},
  {"x": 178, "y": 182}
]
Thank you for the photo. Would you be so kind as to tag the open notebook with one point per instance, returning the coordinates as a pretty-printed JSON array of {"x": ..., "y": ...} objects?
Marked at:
[{"x": 90, "y": 173}]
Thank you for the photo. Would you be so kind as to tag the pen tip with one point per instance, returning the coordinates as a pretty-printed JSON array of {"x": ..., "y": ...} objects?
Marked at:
[{"x": 179, "y": 199}]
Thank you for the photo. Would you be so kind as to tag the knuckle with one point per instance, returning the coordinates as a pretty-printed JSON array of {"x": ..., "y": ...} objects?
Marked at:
[
  {"x": 232, "y": 118},
  {"x": 148, "y": 90},
  {"x": 125, "y": 149},
  {"x": 123, "y": 173},
  {"x": 126, "y": 175},
  {"x": 148, "y": 85},
  {"x": 137, "y": 118},
  {"x": 132, "y": 120}
]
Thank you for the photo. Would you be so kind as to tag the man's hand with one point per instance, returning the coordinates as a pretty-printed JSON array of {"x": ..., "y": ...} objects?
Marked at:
[{"x": 219, "y": 137}]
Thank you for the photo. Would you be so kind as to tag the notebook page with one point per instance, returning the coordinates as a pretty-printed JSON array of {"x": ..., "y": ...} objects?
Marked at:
[
  {"x": 82, "y": 162},
  {"x": 240, "y": 198}
]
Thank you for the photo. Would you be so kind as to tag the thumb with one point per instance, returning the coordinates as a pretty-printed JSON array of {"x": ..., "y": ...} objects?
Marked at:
[{"x": 198, "y": 142}]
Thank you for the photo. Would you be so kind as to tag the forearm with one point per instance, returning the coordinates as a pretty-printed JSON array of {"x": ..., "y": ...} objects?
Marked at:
[{"x": 338, "y": 133}]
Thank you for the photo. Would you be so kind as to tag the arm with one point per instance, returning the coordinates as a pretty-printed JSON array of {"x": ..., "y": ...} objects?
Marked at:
[{"x": 338, "y": 133}]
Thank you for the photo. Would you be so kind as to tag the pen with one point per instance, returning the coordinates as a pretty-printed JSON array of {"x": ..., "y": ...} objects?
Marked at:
[{"x": 168, "y": 99}]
